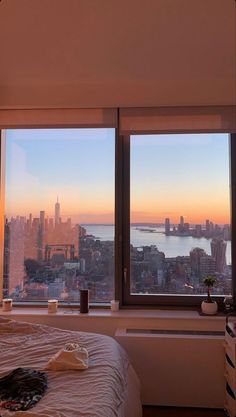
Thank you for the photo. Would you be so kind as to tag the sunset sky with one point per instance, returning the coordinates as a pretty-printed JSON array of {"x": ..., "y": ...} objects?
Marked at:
[
  {"x": 174, "y": 175},
  {"x": 171, "y": 175}
]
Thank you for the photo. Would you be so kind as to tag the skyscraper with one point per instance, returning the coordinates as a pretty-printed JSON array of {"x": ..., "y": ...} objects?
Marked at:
[
  {"x": 195, "y": 259},
  {"x": 167, "y": 226},
  {"x": 181, "y": 225},
  {"x": 57, "y": 213},
  {"x": 218, "y": 252},
  {"x": 41, "y": 230},
  {"x": 42, "y": 219},
  {"x": 207, "y": 234}
]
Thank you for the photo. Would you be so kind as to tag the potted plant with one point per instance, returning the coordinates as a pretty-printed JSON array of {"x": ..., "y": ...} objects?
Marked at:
[{"x": 209, "y": 306}]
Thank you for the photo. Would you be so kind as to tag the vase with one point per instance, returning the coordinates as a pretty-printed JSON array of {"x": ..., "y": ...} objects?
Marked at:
[{"x": 209, "y": 308}]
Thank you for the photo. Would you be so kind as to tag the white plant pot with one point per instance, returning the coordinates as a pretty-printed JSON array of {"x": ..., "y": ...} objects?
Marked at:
[{"x": 209, "y": 308}]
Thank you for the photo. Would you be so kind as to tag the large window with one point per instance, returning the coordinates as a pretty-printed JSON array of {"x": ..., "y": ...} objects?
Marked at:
[
  {"x": 59, "y": 214},
  {"x": 130, "y": 215},
  {"x": 180, "y": 220}
]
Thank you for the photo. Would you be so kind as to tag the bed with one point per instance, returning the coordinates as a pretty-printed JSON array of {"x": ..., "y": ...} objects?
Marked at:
[{"x": 108, "y": 388}]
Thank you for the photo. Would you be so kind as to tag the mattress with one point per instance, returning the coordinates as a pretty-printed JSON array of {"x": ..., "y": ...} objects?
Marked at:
[{"x": 108, "y": 388}]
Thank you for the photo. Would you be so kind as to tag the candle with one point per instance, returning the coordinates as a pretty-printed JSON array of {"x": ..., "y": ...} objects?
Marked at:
[
  {"x": 7, "y": 304},
  {"x": 84, "y": 301},
  {"x": 52, "y": 306},
  {"x": 114, "y": 305}
]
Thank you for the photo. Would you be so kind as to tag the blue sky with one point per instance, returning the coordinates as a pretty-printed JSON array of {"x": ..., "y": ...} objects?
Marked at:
[
  {"x": 177, "y": 175},
  {"x": 75, "y": 164}
]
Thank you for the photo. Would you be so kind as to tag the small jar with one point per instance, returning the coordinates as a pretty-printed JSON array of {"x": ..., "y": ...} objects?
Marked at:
[
  {"x": 228, "y": 304},
  {"x": 7, "y": 304},
  {"x": 52, "y": 306},
  {"x": 114, "y": 305}
]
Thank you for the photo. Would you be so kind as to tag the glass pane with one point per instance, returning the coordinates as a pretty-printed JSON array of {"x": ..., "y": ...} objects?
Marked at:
[
  {"x": 59, "y": 227},
  {"x": 180, "y": 214}
]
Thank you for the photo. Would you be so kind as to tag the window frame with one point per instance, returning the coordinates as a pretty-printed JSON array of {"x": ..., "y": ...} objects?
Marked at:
[
  {"x": 63, "y": 118},
  {"x": 50, "y": 119},
  {"x": 233, "y": 208},
  {"x": 166, "y": 300},
  {"x": 2, "y": 205}
]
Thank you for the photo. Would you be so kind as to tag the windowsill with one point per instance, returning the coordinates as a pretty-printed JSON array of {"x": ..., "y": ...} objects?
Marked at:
[{"x": 121, "y": 314}]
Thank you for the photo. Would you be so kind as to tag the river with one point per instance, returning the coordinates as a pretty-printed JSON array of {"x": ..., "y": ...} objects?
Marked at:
[{"x": 172, "y": 246}]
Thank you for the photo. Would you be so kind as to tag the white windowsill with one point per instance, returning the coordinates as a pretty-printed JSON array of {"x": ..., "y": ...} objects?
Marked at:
[{"x": 106, "y": 313}]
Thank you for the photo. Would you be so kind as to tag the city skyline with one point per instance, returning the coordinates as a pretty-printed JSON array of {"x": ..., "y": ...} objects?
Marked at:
[
  {"x": 48, "y": 257},
  {"x": 65, "y": 217},
  {"x": 170, "y": 175}
]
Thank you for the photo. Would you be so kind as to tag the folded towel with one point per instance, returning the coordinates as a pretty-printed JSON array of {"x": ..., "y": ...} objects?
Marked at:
[{"x": 73, "y": 356}]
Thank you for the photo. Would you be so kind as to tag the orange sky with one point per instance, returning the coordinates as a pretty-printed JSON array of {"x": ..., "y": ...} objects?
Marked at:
[{"x": 171, "y": 176}]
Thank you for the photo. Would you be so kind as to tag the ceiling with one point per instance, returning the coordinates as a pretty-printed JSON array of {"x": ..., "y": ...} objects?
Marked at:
[{"x": 109, "y": 53}]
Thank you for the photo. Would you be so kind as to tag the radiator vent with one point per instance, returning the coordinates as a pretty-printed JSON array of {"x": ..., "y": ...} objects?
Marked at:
[{"x": 176, "y": 332}]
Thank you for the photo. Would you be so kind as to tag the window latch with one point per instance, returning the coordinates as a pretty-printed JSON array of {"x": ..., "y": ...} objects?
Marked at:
[{"x": 125, "y": 275}]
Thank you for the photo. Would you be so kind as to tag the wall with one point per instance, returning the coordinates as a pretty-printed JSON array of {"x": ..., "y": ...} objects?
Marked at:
[{"x": 109, "y": 53}]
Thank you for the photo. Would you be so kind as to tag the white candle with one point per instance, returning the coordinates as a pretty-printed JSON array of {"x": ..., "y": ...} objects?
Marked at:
[
  {"x": 7, "y": 304},
  {"x": 114, "y": 305},
  {"x": 52, "y": 306}
]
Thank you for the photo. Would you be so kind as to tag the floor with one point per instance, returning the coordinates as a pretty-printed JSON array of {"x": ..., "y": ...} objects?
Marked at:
[{"x": 149, "y": 411}]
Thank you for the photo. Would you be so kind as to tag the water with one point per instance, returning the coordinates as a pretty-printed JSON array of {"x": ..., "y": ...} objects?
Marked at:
[{"x": 172, "y": 246}]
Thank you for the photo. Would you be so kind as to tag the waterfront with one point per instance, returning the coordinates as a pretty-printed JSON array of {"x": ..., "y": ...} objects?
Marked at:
[{"x": 172, "y": 246}]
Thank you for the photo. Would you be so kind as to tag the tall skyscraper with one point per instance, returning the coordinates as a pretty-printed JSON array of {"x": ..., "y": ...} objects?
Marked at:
[
  {"x": 218, "y": 252},
  {"x": 167, "y": 226},
  {"x": 16, "y": 258},
  {"x": 30, "y": 220},
  {"x": 195, "y": 259},
  {"x": 57, "y": 213},
  {"x": 181, "y": 225},
  {"x": 41, "y": 231},
  {"x": 42, "y": 219}
]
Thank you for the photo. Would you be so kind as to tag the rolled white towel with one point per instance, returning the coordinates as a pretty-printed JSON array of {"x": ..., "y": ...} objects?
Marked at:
[{"x": 73, "y": 356}]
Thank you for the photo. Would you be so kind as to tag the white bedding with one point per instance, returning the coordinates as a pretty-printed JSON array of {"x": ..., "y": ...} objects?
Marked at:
[{"x": 108, "y": 388}]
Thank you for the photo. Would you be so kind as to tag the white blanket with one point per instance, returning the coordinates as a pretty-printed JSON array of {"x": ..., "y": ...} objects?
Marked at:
[{"x": 99, "y": 391}]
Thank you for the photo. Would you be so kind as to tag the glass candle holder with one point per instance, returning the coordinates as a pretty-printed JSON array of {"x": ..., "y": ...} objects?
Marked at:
[
  {"x": 7, "y": 304},
  {"x": 114, "y": 305},
  {"x": 228, "y": 303},
  {"x": 52, "y": 306}
]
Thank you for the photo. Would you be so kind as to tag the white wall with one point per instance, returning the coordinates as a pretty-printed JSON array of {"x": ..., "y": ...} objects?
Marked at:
[
  {"x": 109, "y": 53},
  {"x": 178, "y": 370}
]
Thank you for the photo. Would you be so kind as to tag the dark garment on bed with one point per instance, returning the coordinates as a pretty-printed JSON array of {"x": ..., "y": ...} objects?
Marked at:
[{"x": 22, "y": 389}]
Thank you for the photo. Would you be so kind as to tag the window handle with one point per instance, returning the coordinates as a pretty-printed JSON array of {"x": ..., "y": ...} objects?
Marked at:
[{"x": 125, "y": 275}]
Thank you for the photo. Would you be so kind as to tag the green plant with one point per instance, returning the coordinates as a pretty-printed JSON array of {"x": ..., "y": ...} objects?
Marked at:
[{"x": 209, "y": 282}]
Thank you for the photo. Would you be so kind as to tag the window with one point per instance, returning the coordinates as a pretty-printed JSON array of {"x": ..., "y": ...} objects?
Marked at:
[
  {"x": 180, "y": 220},
  {"x": 140, "y": 213},
  {"x": 59, "y": 214}
]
